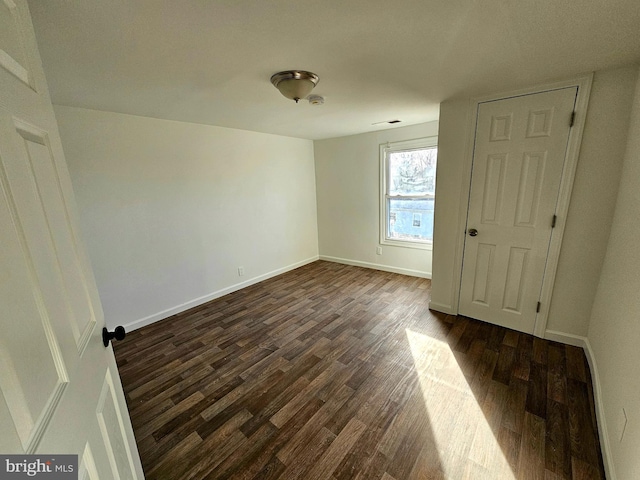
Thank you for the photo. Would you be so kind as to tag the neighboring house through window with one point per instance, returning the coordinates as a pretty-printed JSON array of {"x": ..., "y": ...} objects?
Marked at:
[{"x": 408, "y": 181}]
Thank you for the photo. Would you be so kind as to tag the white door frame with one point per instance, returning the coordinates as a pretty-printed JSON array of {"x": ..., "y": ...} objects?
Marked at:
[{"x": 566, "y": 185}]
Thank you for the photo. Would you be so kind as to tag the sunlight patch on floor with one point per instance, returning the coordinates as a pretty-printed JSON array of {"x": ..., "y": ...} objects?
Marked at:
[{"x": 462, "y": 428}]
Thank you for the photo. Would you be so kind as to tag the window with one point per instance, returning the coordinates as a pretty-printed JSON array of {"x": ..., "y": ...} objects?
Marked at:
[{"x": 408, "y": 181}]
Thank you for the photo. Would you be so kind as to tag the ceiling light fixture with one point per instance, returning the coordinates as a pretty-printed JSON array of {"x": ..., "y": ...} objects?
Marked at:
[{"x": 295, "y": 84}]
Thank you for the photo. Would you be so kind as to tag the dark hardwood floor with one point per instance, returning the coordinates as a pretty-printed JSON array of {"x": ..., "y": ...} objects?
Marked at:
[{"x": 338, "y": 372}]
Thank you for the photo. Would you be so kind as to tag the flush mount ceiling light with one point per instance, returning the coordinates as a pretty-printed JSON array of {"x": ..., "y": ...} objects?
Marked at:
[{"x": 295, "y": 84}]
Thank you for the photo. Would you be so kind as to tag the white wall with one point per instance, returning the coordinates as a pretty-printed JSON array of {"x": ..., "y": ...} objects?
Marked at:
[
  {"x": 452, "y": 152},
  {"x": 614, "y": 331},
  {"x": 170, "y": 210},
  {"x": 593, "y": 200},
  {"x": 590, "y": 212},
  {"x": 348, "y": 196}
]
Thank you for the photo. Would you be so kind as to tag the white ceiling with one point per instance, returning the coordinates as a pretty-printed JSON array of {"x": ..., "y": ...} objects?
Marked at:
[{"x": 209, "y": 61}]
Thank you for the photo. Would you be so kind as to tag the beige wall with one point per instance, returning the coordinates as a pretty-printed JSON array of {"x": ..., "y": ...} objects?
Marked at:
[
  {"x": 591, "y": 208},
  {"x": 453, "y": 135},
  {"x": 348, "y": 196},
  {"x": 614, "y": 331},
  {"x": 170, "y": 210},
  {"x": 592, "y": 201}
]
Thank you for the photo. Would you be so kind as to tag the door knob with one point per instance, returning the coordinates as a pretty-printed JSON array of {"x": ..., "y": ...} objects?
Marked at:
[
  {"x": 107, "y": 336},
  {"x": 473, "y": 232}
]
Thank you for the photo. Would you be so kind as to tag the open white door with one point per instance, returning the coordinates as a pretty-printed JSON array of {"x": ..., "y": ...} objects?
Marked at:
[
  {"x": 519, "y": 153},
  {"x": 61, "y": 393}
]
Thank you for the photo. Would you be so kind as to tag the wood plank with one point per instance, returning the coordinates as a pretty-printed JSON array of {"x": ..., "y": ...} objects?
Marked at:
[
  {"x": 340, "y": 447},
  {"x": 576, "y": 363},
  {"x": 537, "y": 393},
  {"x": 584, "y": 439},
  {"x": 298, "y": 442},
  {"x": 531, "y": 459},
  {"x": 557, "y": 374},
  {"x": 557, "y": 441}
]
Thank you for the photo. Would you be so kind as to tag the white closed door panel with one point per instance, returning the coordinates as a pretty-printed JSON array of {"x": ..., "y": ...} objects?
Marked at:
[
  {"x": 61, "y": 393},
  {"x": 518, "y": 160}
]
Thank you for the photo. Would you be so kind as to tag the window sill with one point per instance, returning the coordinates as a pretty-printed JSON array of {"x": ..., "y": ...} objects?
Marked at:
[{"x": 405, "y": 244}]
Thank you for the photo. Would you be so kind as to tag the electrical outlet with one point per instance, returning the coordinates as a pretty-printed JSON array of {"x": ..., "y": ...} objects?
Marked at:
[
  {"x": 379, "y": 251},
  {"x": 240, "y": 271},
  {"x": 622, "y": 423}
]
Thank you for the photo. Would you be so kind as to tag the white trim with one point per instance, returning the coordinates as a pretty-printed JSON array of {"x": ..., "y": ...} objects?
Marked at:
[
  {"x": 407, "y": 243},
  {"x": 13, "y": 67},
  {"x": 567, "y": 338},
  {"x": 609, "y": 466},
  {"x": 134, "y": 325},
  {"x": 377, "y": 266},
  {"x": 564, "y": 197},
  {"x": 568, "y": 174},
  {"x": 442, "y": 308},
  {"x": 465, "y": 190},
  {"x": 603, "y": 432}
]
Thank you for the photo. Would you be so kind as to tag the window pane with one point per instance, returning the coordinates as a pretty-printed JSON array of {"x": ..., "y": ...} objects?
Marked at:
[
  {"x": 412, "y": 172},
  {"x": 411, "y": 219}
]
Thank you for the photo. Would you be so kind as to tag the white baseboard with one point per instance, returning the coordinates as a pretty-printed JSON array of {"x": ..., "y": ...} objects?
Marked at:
[
  {"x": 442, "y": 308},
  {"x": 609, "y": 467},
  {"x": 567, "y": 338},
  {"x": 377, "y": 266},
  {"x": 603, "y": 432},
  {"x": 212, "y": 296}
]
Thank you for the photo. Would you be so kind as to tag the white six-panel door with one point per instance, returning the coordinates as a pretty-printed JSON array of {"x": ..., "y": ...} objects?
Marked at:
[
  {"x": 61, "y": 392},
  {"x": 518, "y": 158}
]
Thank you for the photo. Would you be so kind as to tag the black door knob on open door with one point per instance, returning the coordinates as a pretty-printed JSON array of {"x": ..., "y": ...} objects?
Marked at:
[
  {"x": 473, "y": 232},
  {"x": 107, "y": 336}
]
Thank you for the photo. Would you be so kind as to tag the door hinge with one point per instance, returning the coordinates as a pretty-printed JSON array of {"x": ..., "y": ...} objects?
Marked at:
[
  {"x": 538, "y": 307},
  {"x": 553, "y": 221},
  {"x": 573, "y": 119}
]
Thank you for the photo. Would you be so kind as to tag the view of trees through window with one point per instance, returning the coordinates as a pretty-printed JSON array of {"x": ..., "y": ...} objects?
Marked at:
[
  {"x": 413, "y": 172},
  {"x": 410, "y": 195}
]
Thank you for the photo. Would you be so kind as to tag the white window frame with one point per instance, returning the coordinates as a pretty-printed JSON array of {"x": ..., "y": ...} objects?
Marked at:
[{"x": 385, "y": 149}]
